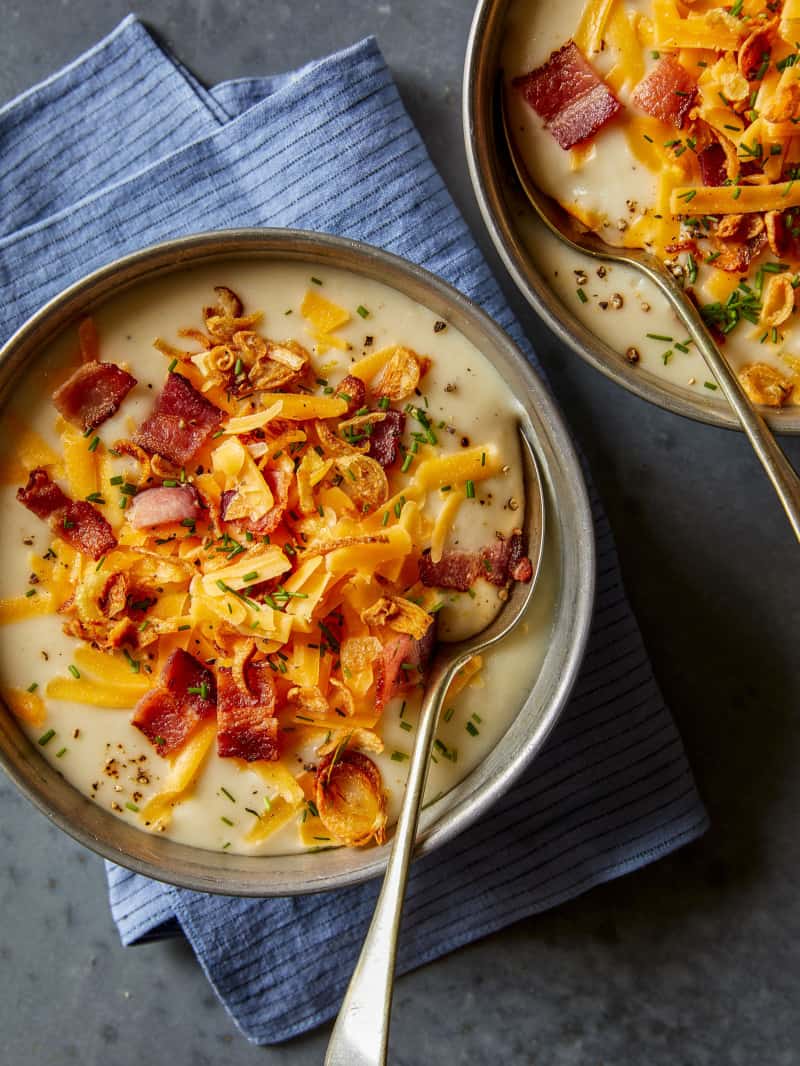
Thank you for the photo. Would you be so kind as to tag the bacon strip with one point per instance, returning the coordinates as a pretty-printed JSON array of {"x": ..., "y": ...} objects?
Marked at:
[
  {"x": 93, "y": 393},
  {"x": 184, "y": 697},
  {"x": 498, "y": 563},
  {"x": 246, "y": 726},
  {"x": 385, "y": 438},
  {"x": 179, "y": 423},
  {"x": 573, "y": 101},
  {"x": 156, "y": 507},
  {"x": 77, "y": 522},
  {"x": 713, "y": 168},
  {"x": 402, "y": 665},
  {"x": 667, "y": 93}
]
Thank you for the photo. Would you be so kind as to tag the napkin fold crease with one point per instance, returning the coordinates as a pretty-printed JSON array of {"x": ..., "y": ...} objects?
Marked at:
[{"x": 124, "y": 147}]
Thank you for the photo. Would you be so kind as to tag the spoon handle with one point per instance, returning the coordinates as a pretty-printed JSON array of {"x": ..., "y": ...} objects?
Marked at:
[
  {"x": 779, "y": 470},
  {"x": 361, "y": 1034}
]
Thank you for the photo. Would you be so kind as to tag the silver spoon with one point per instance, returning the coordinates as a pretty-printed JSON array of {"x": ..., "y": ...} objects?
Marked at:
[
  {"x": 361, "y": 1034},
  {"x": 779, "y": 470}
]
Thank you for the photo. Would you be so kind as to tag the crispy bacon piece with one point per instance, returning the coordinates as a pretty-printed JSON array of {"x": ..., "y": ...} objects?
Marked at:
[
  {"x": 402, "y": 665},
  {"x": 455, "y": 570},
  {"x": 246, "y": 726},
  {"x": 735, "y": 256},
  {"x": 156, "y": 507},
  {"x": 713, "y": 169},
  {"x": 498, "y": 563},
  {"x": 93, "y": 393},
  {"x": 667, "y": 93},
  {"x": 77, "y": 522},
  {"x": 179, "y": 423},
  {"x": 355, "y": 389},
  {"x": 184, "y": 697},
  {"x": 279, "y": 482},
  {"x": 385, "y": 438},
  {"x": 573, "y": 101},
  {"x": 502, "y": 561}
]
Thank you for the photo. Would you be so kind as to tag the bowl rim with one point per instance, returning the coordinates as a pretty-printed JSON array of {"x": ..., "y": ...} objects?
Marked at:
[
  {"x": 490, "y": 180},
  {"x": 569, "y": 514}
]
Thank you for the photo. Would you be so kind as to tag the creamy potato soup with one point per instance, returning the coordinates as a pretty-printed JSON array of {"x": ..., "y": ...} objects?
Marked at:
[
  {"x": 672, "y": 127},
  {"x": 239, "y": 506}
]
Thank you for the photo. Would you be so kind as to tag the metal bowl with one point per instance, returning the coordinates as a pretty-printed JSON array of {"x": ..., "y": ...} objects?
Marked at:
[
  {"x": 505, "y": 210},
  {"x": 569, "y": 553}
]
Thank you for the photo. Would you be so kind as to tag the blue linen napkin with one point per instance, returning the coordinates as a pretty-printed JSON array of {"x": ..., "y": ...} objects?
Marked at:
[{"x": 124, "y": 148}]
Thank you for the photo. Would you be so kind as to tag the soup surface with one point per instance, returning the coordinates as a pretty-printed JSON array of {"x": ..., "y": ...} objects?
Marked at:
[
  {"x": 697, "y": 165},
  {"x": 202, "y": 678}
]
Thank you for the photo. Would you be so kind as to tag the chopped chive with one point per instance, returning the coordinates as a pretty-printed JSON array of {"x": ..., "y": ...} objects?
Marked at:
[
  {"x": 61, "y": 753},
  {"x": 93, "y": 445},
  {"x": 225, "y": 792},
  {"x": 134, "y": 664},
  {"x": 250, "y": 577},
  {"x": 398, "y": 756},
  {"x": 737, "y": 192},
  {"x": 710, "y": 385},
  {"x": 659, "y": 337},
  {"x": 582, "y": 296},
  {"x": 33, "y": 686},
  {"x": 45, "y": 738},
  {"x": 172, "y": 366},
  {"x": 94, "y": 497},
  {"x": 227, "y": 821},
  {"x": 409, "y": 459},
  {"x": 29, "y": 593},
  {"x": 406, "y": 726},
  {"x": 132, "y": 807},
  {"x": 472, "y": 730},
  {"x": 361, "y": 310},
  {"x": 448, "y": 714},
  {"x": 74, "y": 671},
  {"x": 470, "y": 489},
  {"x": 117, "y": 479},
  {"x": 316, "y": 281}
]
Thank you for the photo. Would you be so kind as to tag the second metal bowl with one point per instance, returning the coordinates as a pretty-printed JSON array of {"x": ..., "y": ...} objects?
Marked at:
[{"x": 502, "y": 205}]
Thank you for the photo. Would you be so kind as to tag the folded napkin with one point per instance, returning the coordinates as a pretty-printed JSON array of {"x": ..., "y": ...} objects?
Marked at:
[{"x": 124, "y": 148}]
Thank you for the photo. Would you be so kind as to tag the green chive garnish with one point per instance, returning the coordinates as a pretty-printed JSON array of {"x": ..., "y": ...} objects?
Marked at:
[{"x": 45, "y": 738}]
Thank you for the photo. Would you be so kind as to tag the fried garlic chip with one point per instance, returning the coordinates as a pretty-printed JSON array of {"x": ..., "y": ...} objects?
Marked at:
[
  {"x": 764, "y": 384},
  {"x": 357, "y": 654},
  {"x": 350, "y": 797},
  {"x": 778, "y": 300},
  {"x": 400, "y": 376},
  {"x": 308, "y": 701},
  {"x": 399, "y": 614},
  {"x": 363, "y": 480},
  {"x": 333, "y": 445}
]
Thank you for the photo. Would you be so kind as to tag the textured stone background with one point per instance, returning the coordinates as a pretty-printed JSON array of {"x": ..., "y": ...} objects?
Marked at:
[{"x": 691, "y": 962}]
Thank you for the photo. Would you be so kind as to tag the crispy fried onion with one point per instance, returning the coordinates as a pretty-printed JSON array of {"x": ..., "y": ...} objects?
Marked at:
[
  {"x": 243, "y": 651},
  {"x": 308, "y": 700},
  {"x": 344, "y": 542},
  {"x": 358, "y": 739},
  {"x": 279, "y": 365},
  {"x": 342, "y": 700},
  {"x": 363, "y": 480},
  {"x": 350, "y": 797},
  {"x": 127, "y": 447},
  {"x": 332, "y": 444},
  {"x": 400, "y": 376},
  {"x": 95, "y": 610},
  {"x": 399, "y": 614},
  {"x": 227, "y": 318},
  {"x": 764, "y": 384},
  {"x": 778, "y": 301}
]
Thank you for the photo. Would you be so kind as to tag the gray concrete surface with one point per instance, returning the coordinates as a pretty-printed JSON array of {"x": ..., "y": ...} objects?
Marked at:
[{"x": 691, "y": 962}]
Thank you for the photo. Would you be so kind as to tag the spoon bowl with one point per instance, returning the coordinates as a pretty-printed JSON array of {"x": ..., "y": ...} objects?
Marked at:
[
  {"x": 361, "y": 1033},
  {"x": 567, "y": 230}
]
